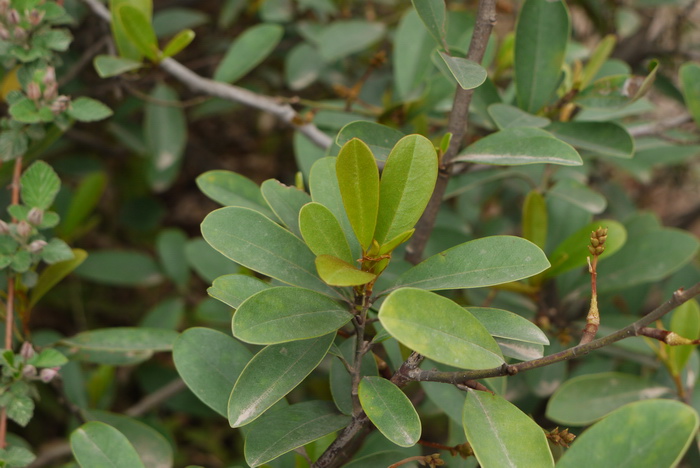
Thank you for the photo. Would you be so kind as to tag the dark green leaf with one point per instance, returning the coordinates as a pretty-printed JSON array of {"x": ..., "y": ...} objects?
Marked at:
[
  {"x": 390, "y": 410},
  {"x": 120, "y": 268},
  {"x": 95, "y": 444},
  {"x": 380, "y": 138},
  {"x": 85, "y": 109},
  {"x": 207, "y": 262},
  {"x": 506, "y": 116},
  {"x": 165, "y": 130},
  {"x": 286, "y": 202},
  {"x": 689, "y": 75},
  {"x": 248, "y": 51},
  {"x": 468, "y": 74},
  {"x": 344, "y": 37},
  {"x": 535, "y": 219},
  {"x": 231, "y": 189},
  {"x": 170, "y": 245},
  {"x": 234, "y": 289},
  {"x": 516, "y": 336},
  {"x": 578, "y": 194},
  {"x": 432, "y": 13},
  {"x": 412, "y": 47},
  {"x": 606, "y": 138},
  {"x": 51, "y": 275},
  {"x": 302, "y": 66}
]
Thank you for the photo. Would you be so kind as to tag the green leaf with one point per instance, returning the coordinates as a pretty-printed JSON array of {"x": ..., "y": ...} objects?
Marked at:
[
  {"x": 475, "y": 264},
  {"x": 689, "y": 76},
  {"x": 288, "y": 428},
  {"x": 39, "y": 185},
  {"x": 210, "y": 362},
  {"x": 234, "y": 289},
  {"x": 502, "y": 435},
  {"x": 179, "y": 42},
  {"x": 56, "y": 251},
  {"x": 286, "y": 202},
  {"x": 506, "y": 116},
  {"x": 337, "y": 272},
  {"x": 662, "y": 432},
  {"x": 390, "y": 410},
  {"x": 685, "y": 321},
  {"x": 598, "y": 57},
  {"x": 535, "y": 219},
  {"x": 587, "y": 398},
  {"x": 256, "y": 242},
  {"x": 120, "y": 268},
  {"x": 379, "y": 138},
  {"x": 617, "y": 90},
  {"x": 606, "y": 138},
  {"x": 281, "y": 314},
  {"x": 171, "y": 244},
  {"x": 123, "y": 339},
  {"x": 95, "y": 444},
  {"x": 438, "y": 328},
  {"x": 302, "y": 66},
  {"x": 407, "y": 183},
  {"x": 340, "y": 379},
  {"x": 322, "y": 232},
  {"x": 231, "y": 189},
  {"x": 468, "y": 73},
  {"x": 48, "y": 357},
  {"x": 139, "y": 30},
  {"x": 271, "y": 374},
  {"x": 153, "y": 448},
  {"x": 173, "y": 20},
  {"x": 541, "y": 37},
  {"x": 358, "y": 180},
  {"x": 85, "y": 198},
  {"x": 165, "y": 131},
  {"x": 578, "y": 194},
  {"x": 108, "y": 66},
  {"x": 516, "y": 336},
  {"x": 126, "y": 48},
  {"x": 20, "y": 408},
  {"x": 572, "y": 252},
  {"x": 207, "y": 262},
  {"x": 413, "y": 45},
  {"x": 85, "y": 109},
  {"x": 167, "y": 314},
  {"x": 248, "y": 51},
  {"x": 25, "y": 111},
  {"x": 517, "y": 146},
  {"x": 344, "y": 37},
  {"x": 432, "y": 14}
]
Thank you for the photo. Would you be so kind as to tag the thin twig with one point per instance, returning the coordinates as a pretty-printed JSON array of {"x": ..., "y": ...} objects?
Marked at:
[{"x": 658, "y": 127}]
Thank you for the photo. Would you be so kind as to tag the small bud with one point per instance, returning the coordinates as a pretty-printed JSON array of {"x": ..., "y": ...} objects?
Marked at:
[
  {"x": 12, "y": 16},
  {"x": 595, "y": 242},
  {"x": 49, "y": 76},
  {"x": 4, "y": 33},
  {"x": 24, "y": 229},
  {"x": 29, "y": 371},
  {"x": 37, "y": 246},
  {"x": 35, "y": 17},
  {"x": 19, "y": 33},
  {"x": 4, "y": 5},
  {"x": 60, "y": 105},
  {"x": 4, "y": 228},
  {"x": 27, "y": 350},
  {"x": 33, "y": 91},
  {"x": 47, "y": 374},
  {"x": 591, "y": 249},
  {"x": 50, "y": 91},
  {"x": 35, "y": 216}
]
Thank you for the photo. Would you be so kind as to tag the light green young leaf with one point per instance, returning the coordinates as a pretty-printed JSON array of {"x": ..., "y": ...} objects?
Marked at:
[
  {"x": 210, "y": 362},
  {"x": 39, "y": 185},
  {"x": 179, "y": 42},
  {"x": 232, "y": 189},
  {"x": 380, "y": 138},
  {"x": 254, "y": 241},
  {"x": 234, "y": 289},
  {"x": 248, "y": 51},
  {"x": 358, "y": 180},
  {"x": 407, "y": 182},
  {"x": 617, "y": 90},
  {"x": 502, "y": 435},
  {"x": 96, "y": 444},
  {"x": 689, "y": 75},
  {"x": 599, "y": 56},
  {"x": 337, "y": 272},
  {"x": 432, "y": 13},
  {"x": 139, "y": 30},
  {"x": 85, "y": 109},
  {"x": 468, "y": 73},
  {"x": 322, "y": 232},
  {"x": 438, "y": 328},
  {"x": 475, "y": 264},
  {"x": 285, "y": 202},
  {"x": 606, "y": 138},
  {"x": 281, "y": 314},
  {"x": 271, "y": 374},
  {"x": 390, "y": 410},
  {"x": 535, "y": 219},
  {"x": 507, "y": 116},
  {"x": 685, "y": 321},
  {"x": 288, "y": 428},
  {"x": 541, "y": 37},
  {"x": 663, "y": 431},
  {"x": 587, "y": 398},
  {"x": 165, "y": 129},
  {"x": 126, "y": 47},
  {"x": 517, "y": 146}
]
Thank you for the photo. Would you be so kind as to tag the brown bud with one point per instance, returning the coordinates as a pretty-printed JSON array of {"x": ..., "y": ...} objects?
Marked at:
[
  {"x": 591, "y": 249},
  {"x": 47, "y": 374},
  {"x": 35, "y": 216},
  {"x": 24, "y": 229},
  {"x": 49, "y": 75},
  {"x": 50, "y": 91},
  {"x": 29, "y": 371},
  {"x": 4, "y": 5},
  {"x": 4, "y": 228},
  {"x": 12, "y": 16},
  {"x": 595, "y": 242},
  {"x": 60, "y": 104},
  {"x": 4, "y": 33},
  {"x": 37, "y": 246},
  {"x": 35, "y": 17},
  {"x": 33, "y": 91},
  {"x": 27, "y": 350}
]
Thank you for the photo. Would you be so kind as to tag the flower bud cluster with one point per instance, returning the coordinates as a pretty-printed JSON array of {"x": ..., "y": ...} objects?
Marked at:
[
  {"x": 598, "y": 238},
  {"x": 30, "y": 371},
  {"x": 22, "y": 231}
]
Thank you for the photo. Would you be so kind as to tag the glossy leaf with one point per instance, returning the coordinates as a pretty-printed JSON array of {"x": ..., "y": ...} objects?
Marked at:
[
  {"x": 432, "y": 13},
  {"x": 541, "y": 37},
  {"x": 438, "y": 328},
  {"x": 178, "y": 43},
  {"x": 606, "y": 138},
  {"x": 281, "y": 314},
  {"x": 358, "y": 180},
  {"x": 502, "y": 435},
  {"x": 663, "y": 431},
  {"x": 126, "y": 47},
  {"x": 95, "y": 444},
  {"x": 380, "y": 138},
  {"x": 685, "y": 321},
  {"x": 340, "y": 379},
  {"x": 231, "y": 189},
  {"x": 322, "y": 232},
  {"x": 535, "y": 219},
  {"x": 475, "y": 264},
  {"x": 271, "y": 374},
  {"x": 617, "y": 90},
  {"x": 578, "y": 194},
  {"x": 587, "y": 398},
  {"x": 288, "y": 428},
  {"x": 572, "y": 252},
  {"x": 390, "y": 410},
  {"x": 413, "y": 45},
  {"x": 689, "y": 75},
  {"x": 165, "y": 130},
  {"x": 39, "y": 185},
  {"x": 285, "y": 202},
  {"x": 524, "y": 145},
  {"x": 506, "y": 116},
  {"x": 249, "y": 238},
  {"x": 337, "y": 272},
  {"x": 407, "y": 182},
  {"x": 53, "y": 274},
  {"x": 516, "y": 336},
  {"x": 468, "y": 73},
  {"x": 120, "y": 268},
  {"x": 234, "y": 289},
  {"x": 248, "y": 51},
  {"x": 344, "y": 37},
  {"x": 210, "y": 362},
  {"x": 139, "y": 30}
]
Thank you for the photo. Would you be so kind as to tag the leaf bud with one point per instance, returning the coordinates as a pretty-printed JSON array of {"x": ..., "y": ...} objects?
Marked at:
[
  {"x": 35, "y": 17},
  {"x": 47, "y": 374},
  {"x": 33, "y": 91},
  {"x": 24, "y": 229},
  {"x": 37, "y": 246},
  {"x": 60, "y": 104},
  {"x": 4, "y": 228},
  {"x": 35, "y": 216},
  {"x": 12, "y": 16}
]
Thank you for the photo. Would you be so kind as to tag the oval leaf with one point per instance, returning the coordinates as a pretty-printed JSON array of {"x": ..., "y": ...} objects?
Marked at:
[
  {"x": 516, "y": 336},
  {"x": 689, "y": 75},
  {"x": 580, "y": 195},
  {"x": 432, "y": 13},
  {"x": 285, "y": 202},
  {"x": 273, "y": 373},
  {"x": 380, "y": 138},
  {"x": 506, "y": 116},
  {"x": 97, "y": 444},
  {"x": 179, "y": 42},
  {"x": 502, "y": 435},
  {"x": 606, "y": 138},
  {"x": 165, "y": 129},
  {"x": 139, "y": 30},
  {"x": 659, "y": 433},
  {"x": 39, "y": 185},
  {"x": 336, "y": 272},
  {"x": 234, "y": 289},
  {"x": 390, "y": 410},
  {"x": 518, "y": 146},
  {"x": 411, "y": 58},
  {"x": 108, "y": 65},
  {"x": 231, "y": 189},
  {"x": 344, "y": 37},
  {"x": 123, "y": 339},
  {"x": 440, "y": 329},
  {"x": 468, "y": 74},
  {"x": 322, "y": 232},
  {"x": 478, "y": 263},
  {"x": 247, "y": 51}
]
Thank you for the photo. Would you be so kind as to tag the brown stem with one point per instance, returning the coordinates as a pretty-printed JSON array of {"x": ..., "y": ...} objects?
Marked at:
[
  {"x": 418, "y": 458},
  {"x": 593, "y": 318},
  {"x": 457, "y": 125}
]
